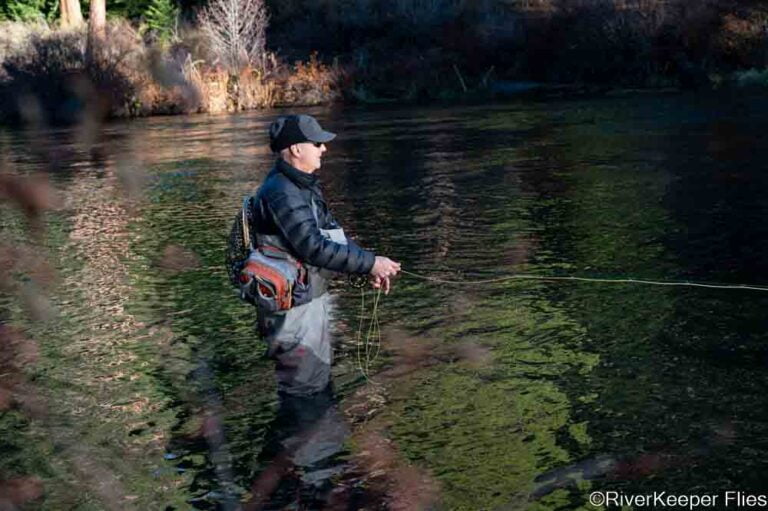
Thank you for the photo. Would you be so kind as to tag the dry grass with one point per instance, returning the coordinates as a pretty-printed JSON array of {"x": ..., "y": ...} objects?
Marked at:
[{"x": 309, "y": 83}]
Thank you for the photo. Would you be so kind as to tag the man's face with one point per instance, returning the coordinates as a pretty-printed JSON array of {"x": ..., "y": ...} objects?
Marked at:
[{"x": 309, "y": 156}]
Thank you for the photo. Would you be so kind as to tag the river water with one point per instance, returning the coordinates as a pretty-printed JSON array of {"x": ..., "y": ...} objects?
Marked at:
[{"x": 148, "y": 389}]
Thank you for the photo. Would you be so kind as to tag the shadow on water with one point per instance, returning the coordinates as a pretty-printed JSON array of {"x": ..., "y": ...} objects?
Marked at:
[{"x": 145, "y": 371}]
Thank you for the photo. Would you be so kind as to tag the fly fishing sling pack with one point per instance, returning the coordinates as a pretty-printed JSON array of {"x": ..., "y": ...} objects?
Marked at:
[
  {"x": 273, "y": 280},
  {"x": 267, "y": 277}
]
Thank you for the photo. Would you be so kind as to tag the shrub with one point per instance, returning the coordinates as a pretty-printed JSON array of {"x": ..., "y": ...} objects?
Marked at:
[
  {"x": 308, "y": 83},
  {"x": 50, "y": 68},
  {"x": 15, "y": 37},
  {"x": 236, "y": 30},
  {"x": 743, "y": 40},
  {"x": 121, "y": 68}
]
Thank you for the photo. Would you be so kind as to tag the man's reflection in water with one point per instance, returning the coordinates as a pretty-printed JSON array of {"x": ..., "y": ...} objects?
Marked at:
[
  {"x": 304, "y": 464},
  {"x": 301, "y": 455}
]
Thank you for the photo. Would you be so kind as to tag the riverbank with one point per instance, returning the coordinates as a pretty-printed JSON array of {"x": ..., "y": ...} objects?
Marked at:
[
  {"x": 444, "y": 50},
  {"x": 46, "y": 76}
]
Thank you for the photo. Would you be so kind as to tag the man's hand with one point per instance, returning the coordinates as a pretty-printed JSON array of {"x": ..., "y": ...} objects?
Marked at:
[{"x": 383, "y": 269}]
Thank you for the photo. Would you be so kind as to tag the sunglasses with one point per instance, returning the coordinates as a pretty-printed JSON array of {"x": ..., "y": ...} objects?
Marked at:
[{"x": 317, "y": 144}]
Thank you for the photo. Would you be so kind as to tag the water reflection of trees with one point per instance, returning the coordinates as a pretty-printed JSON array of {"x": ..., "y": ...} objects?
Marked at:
[
  {"x": 114, "y": 341},
  {"x": 480, "y": 429},
  {"x": 90, "y": 368},
  {"x": 635, "y": 204},
  {"x": 717, "y": 199}
]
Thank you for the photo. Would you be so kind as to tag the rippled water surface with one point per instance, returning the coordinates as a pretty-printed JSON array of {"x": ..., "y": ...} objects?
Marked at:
[{"x": 147, "y": 387}]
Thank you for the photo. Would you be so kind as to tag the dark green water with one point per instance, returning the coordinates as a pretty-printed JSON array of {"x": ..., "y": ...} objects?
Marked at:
[{"x": 151, "y": 387}]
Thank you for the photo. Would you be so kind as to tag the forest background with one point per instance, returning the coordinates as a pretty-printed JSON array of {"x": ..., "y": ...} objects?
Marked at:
[{"x": 143, "y": 57}]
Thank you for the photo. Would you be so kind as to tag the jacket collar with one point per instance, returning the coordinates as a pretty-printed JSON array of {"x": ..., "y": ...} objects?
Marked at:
[{"x": 301, "y": 179}]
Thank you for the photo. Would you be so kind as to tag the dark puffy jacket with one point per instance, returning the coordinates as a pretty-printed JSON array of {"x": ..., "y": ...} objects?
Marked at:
[{"x": 283, "y": 211}]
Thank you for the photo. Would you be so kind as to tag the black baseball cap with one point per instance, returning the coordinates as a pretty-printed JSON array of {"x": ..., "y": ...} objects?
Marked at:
[{"x": 287, "y": 130}]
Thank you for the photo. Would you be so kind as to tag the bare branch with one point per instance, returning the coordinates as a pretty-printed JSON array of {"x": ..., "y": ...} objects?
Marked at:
[{"x": 237, "y": 32}]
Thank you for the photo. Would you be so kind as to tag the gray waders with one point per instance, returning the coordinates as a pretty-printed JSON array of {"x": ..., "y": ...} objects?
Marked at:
[{"x": 299, "y": 339}]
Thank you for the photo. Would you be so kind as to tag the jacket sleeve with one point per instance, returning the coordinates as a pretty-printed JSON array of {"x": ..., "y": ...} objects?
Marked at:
[{"x": 294, "y": 219}]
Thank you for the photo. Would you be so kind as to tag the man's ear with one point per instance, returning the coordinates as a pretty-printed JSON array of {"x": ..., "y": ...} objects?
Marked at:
[{"x": 295, "y": 150}]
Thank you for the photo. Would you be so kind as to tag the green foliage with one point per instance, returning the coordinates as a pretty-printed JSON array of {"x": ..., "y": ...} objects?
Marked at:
[
  {"x": 29, "y": 10},
  {"x": 128, "y": 8},
  {"x": 135, "y": 9},
  {"x": 161, "y": 16}
]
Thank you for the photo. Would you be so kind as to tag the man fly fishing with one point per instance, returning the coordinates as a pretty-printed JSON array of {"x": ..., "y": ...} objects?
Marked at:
[
  {"x": 294, "y": 245},
  {"x": 297, "y": 245}
]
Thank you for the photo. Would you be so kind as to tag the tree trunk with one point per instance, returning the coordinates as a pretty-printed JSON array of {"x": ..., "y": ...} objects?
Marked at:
[
  {"x": 97, "y": 22},
  {"x": 71, "y": 15}
]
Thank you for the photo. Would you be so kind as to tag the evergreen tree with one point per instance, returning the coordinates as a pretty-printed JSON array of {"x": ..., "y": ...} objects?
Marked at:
[
  {"x": 132, "y": 9},
  {"x": 161, "y": 17}
]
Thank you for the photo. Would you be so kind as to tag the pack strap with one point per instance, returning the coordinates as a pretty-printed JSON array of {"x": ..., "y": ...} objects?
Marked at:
[{"x": 247, "y": 242}]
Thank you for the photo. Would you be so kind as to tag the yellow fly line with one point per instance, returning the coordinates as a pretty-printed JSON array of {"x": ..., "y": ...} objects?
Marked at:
[
  {"x": 523, "y": 276},
  {"x": 369, "y": 346},
  {"x": 368, "y": 349}
]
